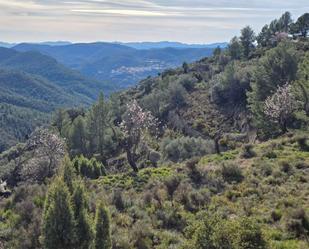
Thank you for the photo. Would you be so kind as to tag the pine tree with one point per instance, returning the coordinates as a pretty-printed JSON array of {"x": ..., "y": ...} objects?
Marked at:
[
  {"x": 264, "y": 37},
  {"x": 83, "y": 228},
  {"x": 234, "y": 48},
  {"x": 285, "y": 22},
  {"x": 77, "y": 137},
  {"x": 58, "y": 218},
  {"x": 102, "y": 238},
  {"x": 247, "y": 39},
  {"x": 97, "y": 123}
]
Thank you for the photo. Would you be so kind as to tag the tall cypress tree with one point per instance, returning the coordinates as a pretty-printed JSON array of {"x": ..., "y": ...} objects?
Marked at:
[
  {"x": 58, "y": 218},
  {"x": 102, "y": 238},
  {"x": 97, "y": 122},
  {"x": 83, "y": 228},
  {"x": 68, "y": 173}
]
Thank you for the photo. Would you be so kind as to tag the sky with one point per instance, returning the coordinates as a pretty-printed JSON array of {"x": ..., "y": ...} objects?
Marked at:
[{"x": 189, "y": 21}]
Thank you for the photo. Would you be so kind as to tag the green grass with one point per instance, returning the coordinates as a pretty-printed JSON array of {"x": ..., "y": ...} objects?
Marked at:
[
  {"x": 216, "y": 158},
  {"x": 135, "y": 180}
]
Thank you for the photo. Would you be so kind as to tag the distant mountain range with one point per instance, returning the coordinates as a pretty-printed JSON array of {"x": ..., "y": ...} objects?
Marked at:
[
  {"x": 122, "y": 65},
  {"x": 7, "y": 45},
  {"x": 167, "y": 44},
  {"x": 136, "y": 45}
]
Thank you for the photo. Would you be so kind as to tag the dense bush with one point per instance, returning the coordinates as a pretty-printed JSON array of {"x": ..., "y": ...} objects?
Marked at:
[
  {"x": 303, "y": 143},
  {"x": 248, "y": 151},
  {"x": 298, "y": 222},
  {"x": 231, "y": 173},
  {"x": 88, "y": 168},
  {"x": 182, "y": 148},
  {"x": 232, "y": 85},
  {"x": 215, "y": 232}
]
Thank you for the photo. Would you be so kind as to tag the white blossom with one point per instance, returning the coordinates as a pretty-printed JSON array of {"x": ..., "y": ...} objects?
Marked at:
[{"x": 280, "y": 106}]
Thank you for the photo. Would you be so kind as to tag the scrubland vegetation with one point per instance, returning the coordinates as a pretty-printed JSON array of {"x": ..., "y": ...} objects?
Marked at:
[{"x": 211, "y": 155}]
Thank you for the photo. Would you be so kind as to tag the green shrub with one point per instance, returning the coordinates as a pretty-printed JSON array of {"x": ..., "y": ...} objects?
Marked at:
[
  {"x": 142, "y": 235},
  {"x": 215, "y": 232},
  {"x": 298, "y": 222},
  {"x": 285, "y": 167},
  {"x": 301, "y": 165},
  {"x": 169, "y": 217},
  {"x": 247, "y": 151},
  {"x": 270, "y": 154},
  {"x": 276, "y": 215},
  {"x": 266, "y": 169},
  {"x": 172, "y": 183},
  {"x": 231, "y": 173},
  {"x": 183, "y": 148},
  {"x": 92, "y": 168},
  {"x": 302, "y": 143},
  {"x": 118, "y": 200},
  {"x": 194, "y": 173}
]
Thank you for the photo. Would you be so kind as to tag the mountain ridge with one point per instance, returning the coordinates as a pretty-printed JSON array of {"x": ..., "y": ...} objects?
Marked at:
[{"x": 105, "y": 61}]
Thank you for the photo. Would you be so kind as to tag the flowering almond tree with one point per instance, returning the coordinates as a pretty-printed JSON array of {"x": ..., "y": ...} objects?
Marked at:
[
  {"x": 48, "y": 151},
  {"x": 280, "y": 106},
  {"x": 136, "y": 123}
]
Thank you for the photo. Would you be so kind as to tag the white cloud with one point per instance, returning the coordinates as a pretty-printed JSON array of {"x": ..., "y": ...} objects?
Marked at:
[
  {"x": 136, "y": 20},
  {"x": 127, "y": 12}
]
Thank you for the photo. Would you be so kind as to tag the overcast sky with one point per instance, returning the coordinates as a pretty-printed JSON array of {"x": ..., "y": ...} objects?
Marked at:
[{"x": 190, "y": 21}]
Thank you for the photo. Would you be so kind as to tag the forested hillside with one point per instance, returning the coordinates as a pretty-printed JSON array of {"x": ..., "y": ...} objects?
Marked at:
[
  {"x": 33, "y": 85},
  {"x": 211, "y": 155}
]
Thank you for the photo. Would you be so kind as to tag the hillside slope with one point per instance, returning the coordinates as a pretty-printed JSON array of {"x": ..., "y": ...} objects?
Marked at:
[
  {"x": 32, "y": 85},
  {"x": 210, "y": 155}
]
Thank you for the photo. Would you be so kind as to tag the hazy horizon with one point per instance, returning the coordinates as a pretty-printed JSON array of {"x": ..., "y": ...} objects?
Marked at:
[
  {"x": 115, "y": 42},
  {"x": 192, "y": 22}
]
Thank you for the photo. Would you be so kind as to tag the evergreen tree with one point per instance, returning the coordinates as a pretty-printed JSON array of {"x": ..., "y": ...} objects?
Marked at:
[
  {"x": 247, "y": 39},
  {"x": 185, "y": 67},
  {"x": 284, "y": 22},
  {"x": 83, "y": 228},
  {"x": 302, "y": 84},
  {"x": 264, "y": 37},
  {"x": 97, "y": 124},
  {"x": 60, "y": 117},
  {"x": 234, "y": 48},
  {"x": 274, "y": 26},
  {"x": 301, "y": 27},
  {"x": 68, "y": 174},
  {"x": 58, "y": 219},
  {"x": 77, "y": 139},
  {"x": 217, "y": 52},
  {"x": 102, "y": 239}
]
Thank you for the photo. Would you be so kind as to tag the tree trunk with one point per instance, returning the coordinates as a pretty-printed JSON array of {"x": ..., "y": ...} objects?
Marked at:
[
  {"x": 283, "y": 125},
  {"x": 217, "y": 146},
  {"x": 49, "y": 174},
  {"x": 131, "y": 160}
]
